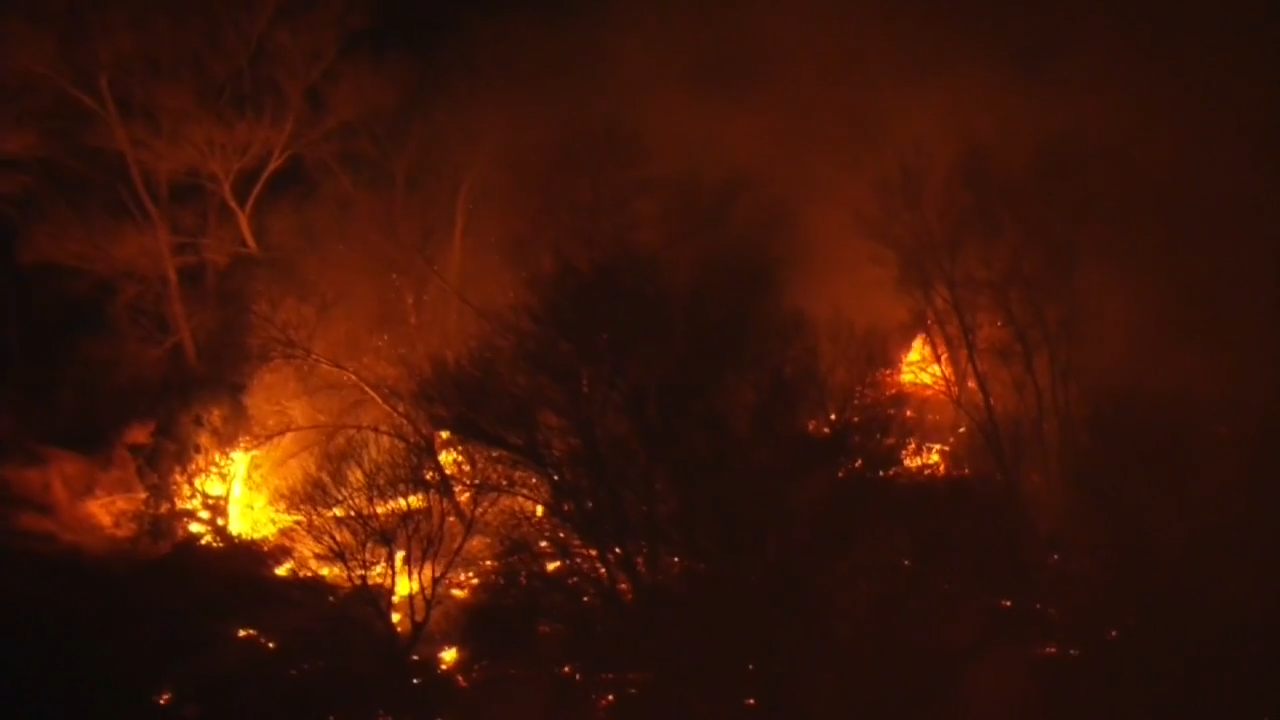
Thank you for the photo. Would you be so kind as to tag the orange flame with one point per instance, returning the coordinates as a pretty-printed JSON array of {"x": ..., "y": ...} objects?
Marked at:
[{"x": 921, "y": 370}]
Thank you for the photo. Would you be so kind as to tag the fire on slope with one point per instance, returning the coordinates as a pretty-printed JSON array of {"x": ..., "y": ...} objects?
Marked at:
[
  {"x": 225, "y": 496},
  {"x": 231, "y": 498},
  {"x": 228, "y": 498}
]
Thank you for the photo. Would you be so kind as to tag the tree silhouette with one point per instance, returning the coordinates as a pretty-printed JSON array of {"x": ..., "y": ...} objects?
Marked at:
[
  {"x": 667, "y": 399},
  {"x": 990, "y": 268},
  {"x": 198, "y": 129},
  {"x": 374, "y": 509}
]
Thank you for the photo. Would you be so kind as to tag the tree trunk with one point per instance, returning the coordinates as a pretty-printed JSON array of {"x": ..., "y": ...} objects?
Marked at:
[
  {"x": 456, "y": 255},
  {"x": 176, "y": 308},
  {"x": 243, "y": 224}
]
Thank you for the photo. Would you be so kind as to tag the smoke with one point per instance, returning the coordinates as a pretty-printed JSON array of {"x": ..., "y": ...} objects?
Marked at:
[
  {"x": 813, "y": 100},
  {"x": 809, "y": 102},
  {"x": 90, "y": 502}
]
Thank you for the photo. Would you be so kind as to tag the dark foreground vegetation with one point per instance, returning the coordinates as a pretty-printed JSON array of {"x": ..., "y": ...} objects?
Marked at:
[
  {"x": 114, "y": 635},
  {"x": 577, "y": 386}
]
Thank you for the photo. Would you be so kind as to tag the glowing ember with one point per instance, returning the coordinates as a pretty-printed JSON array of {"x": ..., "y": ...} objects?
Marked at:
[
  {"x": 451, "y": 457},
  {"x": 230, "y": 498},
  {"x": 924, "y": 458}
]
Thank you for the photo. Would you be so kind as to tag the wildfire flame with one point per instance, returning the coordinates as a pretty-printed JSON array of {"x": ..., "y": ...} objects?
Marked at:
[
  {"x": 447, "y": 657},
  {"x": 230, "y": 499},
  {"x": 226, "y": 496},
  {"x": 924, "y": 458},
  {"x": 921, "y": 370}
]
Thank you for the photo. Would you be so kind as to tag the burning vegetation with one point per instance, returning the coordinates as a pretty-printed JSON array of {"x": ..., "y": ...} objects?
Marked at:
[
  {"x": 573, "y": 452},
  {"x": 444, "y": 400},
  {"x": 228, "y": 500}
]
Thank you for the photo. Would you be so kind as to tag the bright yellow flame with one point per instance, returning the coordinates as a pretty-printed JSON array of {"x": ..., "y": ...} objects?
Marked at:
[
  {"x": 453, "y": 461},
  {"x": 921, "y": 366},
  {"x": 925, "y": 458},
  {"x": 403, "y": 583},
  {"x": 230, "y": 497},
  {"x": 247, "y": 511},
  {"x": 922, "y": 370}
]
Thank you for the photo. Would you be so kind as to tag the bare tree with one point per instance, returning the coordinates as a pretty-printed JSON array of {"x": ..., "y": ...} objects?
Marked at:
[
  {"x": 216, "y": 116},
  {"x": 666, "y": 407},
  {"x": 391, "y": 170},
  {"x": 374, "y": 510},
  {"x": 990, "y": 270},
  {"x": 375, "y": 397},
  {"x": 659, "y": 414}
]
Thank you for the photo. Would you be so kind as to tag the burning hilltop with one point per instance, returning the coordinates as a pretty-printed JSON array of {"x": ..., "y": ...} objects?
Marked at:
[
  {"x": 230, "y": 495},
  {"x": 231, "y": 498},
  {"x": 235, "y": 497}
]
